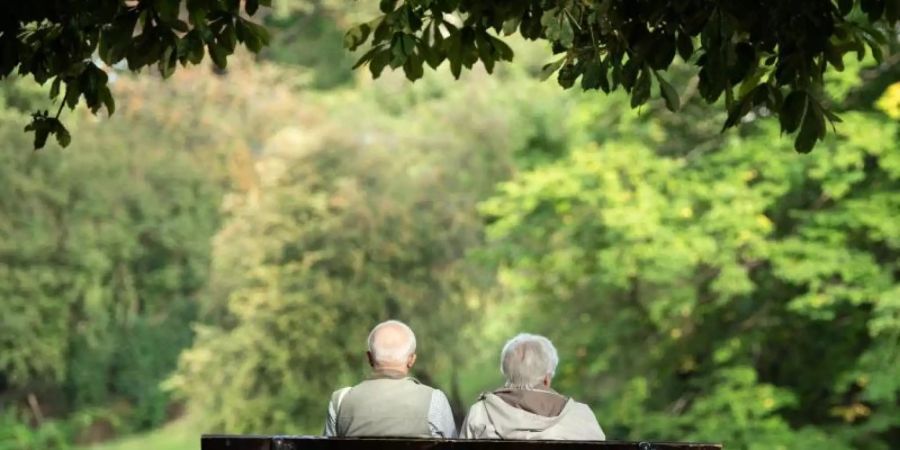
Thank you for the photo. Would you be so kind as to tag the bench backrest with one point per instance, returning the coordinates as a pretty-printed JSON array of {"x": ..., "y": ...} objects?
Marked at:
[{"x": 226, "y": 442}]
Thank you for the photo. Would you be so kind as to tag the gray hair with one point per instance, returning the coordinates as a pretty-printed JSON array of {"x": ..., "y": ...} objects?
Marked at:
[
  {"x": 392, "y": 352},
  {"x": 526, "y": 359}
]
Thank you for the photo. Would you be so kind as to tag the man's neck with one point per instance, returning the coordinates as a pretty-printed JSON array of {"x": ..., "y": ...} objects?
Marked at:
[{"x": 390, "y": 372}]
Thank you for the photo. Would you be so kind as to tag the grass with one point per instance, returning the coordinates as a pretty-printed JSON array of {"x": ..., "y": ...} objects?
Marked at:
[{"x": 178, "y": 435}]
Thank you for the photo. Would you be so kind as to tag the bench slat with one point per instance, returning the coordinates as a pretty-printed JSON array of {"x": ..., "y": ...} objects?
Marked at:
[{"x": 234, "y": 442}]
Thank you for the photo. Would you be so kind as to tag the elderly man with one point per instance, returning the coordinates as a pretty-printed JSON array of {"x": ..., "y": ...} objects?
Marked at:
[
  {"x": 527, "y": 408},
  {"x": 390, "y": 402}
]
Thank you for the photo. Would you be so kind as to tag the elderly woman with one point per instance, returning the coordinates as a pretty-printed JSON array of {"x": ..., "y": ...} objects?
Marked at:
[{"x": 526, "y": 407}]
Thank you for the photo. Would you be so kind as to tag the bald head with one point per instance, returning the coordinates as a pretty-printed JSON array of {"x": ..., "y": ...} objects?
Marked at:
[{"x": 392, "y": 345}]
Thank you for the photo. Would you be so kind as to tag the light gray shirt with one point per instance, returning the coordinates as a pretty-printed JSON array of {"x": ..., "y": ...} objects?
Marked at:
[{"x": 440, "y": 416}]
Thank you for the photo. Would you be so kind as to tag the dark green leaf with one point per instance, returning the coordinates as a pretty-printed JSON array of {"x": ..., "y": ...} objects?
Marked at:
[
  {"x": 567, "y": 76},
  {"x": 251, "y": 6},
  {"x": 54, "y": 88},
  {"x": 877, "y": 52},
  {"x": 379, "y": 61},
  {"x": 504, "y": 50},
  {"x": 668, "y": 93},
  {"x": 641, "y": 92},
  {"x": 218, "y": 55},
  {"x": 387, "y": 6},
  {"x": 873, "y": 8},
  {"x": 834, "y": 56},
  {"x": 792, "y": 111},
  {"x": 591, "y": 79},
  {"x": 40, "y": 137},
  {"x": 892, "y": 11},
  {"x": 685, "y": 46},
  {"x": 108, "y": 100},
  {"x": 845, "y": 6},
  {"x": 663, "y": 53},
  {"x": 63, "y": 138},
  {"x": 813, "y": 127},
  {"x": 413, "y": 67},
  {"x": 745, "y": 62}
]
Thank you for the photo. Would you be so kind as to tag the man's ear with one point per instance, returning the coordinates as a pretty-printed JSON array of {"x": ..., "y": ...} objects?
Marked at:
[
  {"x": 410, "y": 361},
  {"x": 547, "y": 380},
  {"x": 371, "y": 359}
]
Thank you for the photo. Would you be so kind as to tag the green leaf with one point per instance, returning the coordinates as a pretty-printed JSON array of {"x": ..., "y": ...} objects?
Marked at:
[
  {"x": 485, "y": 51},
  {"x": 108, "y": 100},
  {"x": 261, "y": 32},
  {"x": 751, "y": 82},
  {"x": 813, "y": 127},
  {"x": 387, "y": 6},
  {"x": 511, "y": 25},
  {"x": 194, "y": 47},
  {"x": 834, "y": 56},
  {"x": 594, "y": 75},
  {"x": 641, "y": 91},
  {"x": 251, "y": 6},
  {"x": 356, "y": 36},
  {"x": 504, "y": 50},
  {"x": 167, "y": 62},
  {"x": 218, "y": 55},
  {"x": 433, "y": 56},
  {"x": 566, "y": 33},
  {"x": 685, "y": 46},
  {"x": 892, "y": 10},
  {"x": 663, "y": 53},
  {"x": 873, "y": 9},
  {"x": 845, "y": 6},
  {"x": 366, "y": 57},
  {"x": 877, "y": 52},
  {"x": 413, "y": 67},
  {"x": 379, "y": 61},
  {"x": 54, "y": 88},
  {"x": 793, "y": 110},
  {"x": 228, "y": 37},
  {"x": 745, "y": 62},
  {"x": 567, "y": 76},
  {"x": 453, "y": 46},
  {"x": 167, "y": 10},
  {"x": 40, "y": 137},
  {"x": 63, "y": 137},
  {"x": 550, "y": 68},
  {"x": 669, "y": 94}
]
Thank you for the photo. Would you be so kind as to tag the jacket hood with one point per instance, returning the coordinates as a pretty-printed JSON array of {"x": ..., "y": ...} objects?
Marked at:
[{"x": 513, "y": 422}]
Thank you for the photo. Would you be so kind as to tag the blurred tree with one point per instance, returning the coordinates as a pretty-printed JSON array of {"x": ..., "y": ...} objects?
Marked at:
[
  {"x": 353, "y": 222},
  {"x": 102, "y": 250},
  {"x": 725, "y": 291}
]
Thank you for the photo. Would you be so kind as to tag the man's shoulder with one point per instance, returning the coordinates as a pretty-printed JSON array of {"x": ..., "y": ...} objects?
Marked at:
[{"x": 340, "y": 393}]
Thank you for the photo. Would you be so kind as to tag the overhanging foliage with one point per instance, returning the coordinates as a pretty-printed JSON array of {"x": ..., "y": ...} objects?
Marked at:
[{"x": 767, "y": 56}]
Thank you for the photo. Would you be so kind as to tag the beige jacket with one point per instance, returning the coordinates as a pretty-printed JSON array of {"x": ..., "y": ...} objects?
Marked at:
[{"x": 493, "y": 418}]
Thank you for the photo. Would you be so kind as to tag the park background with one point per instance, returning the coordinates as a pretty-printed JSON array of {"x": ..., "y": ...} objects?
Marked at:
[{"x": 211, "y": 258}]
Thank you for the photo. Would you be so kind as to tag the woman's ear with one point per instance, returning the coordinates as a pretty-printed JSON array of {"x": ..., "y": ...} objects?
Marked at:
[{"x": 547, "y": 380}]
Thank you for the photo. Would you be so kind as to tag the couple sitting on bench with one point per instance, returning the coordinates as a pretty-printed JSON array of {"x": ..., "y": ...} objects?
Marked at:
[{"x": 392, "y": 404}]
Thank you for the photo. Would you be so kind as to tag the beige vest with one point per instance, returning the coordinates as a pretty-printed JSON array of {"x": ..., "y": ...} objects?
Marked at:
[{"x": 385, "y": 407}]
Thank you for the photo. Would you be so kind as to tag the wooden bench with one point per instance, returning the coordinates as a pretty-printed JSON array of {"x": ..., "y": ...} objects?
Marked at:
[{"x": 226, "y": 442}]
